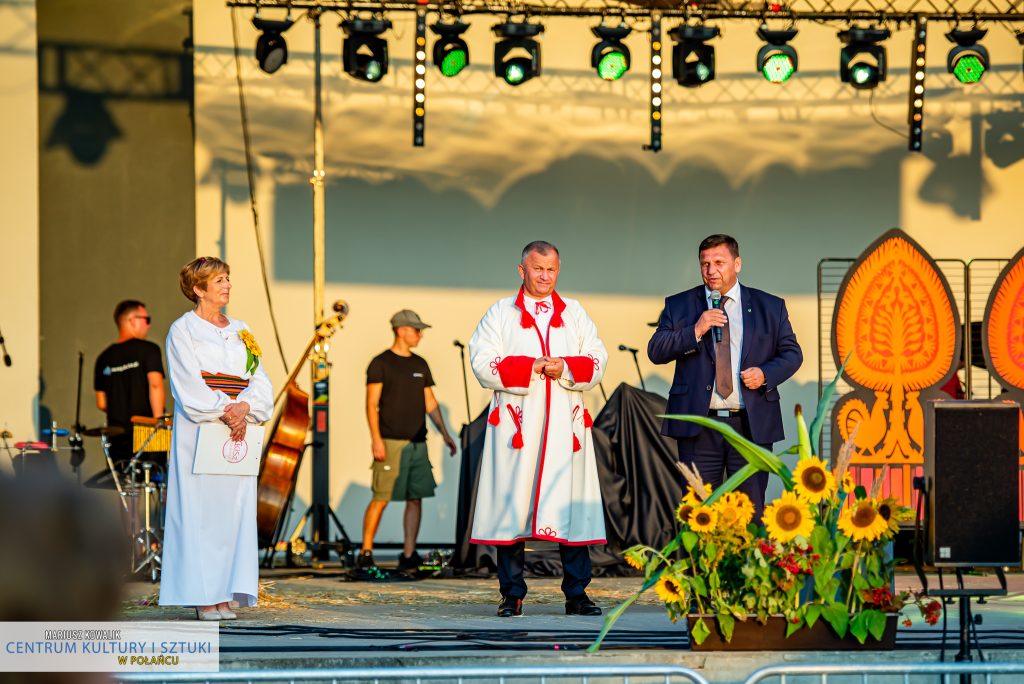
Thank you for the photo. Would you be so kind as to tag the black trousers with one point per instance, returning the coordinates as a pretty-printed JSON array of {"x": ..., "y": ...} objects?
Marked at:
[
  {"x": 716, "y": 460},
  {"x": 575, "y": 569}
]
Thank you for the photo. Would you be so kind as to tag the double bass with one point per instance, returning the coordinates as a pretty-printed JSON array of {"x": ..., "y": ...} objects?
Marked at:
[{"x": 283, "y": 451}]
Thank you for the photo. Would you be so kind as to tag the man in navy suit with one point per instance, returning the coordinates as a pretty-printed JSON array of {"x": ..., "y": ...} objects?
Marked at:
[{"x": 736, "y": 379}]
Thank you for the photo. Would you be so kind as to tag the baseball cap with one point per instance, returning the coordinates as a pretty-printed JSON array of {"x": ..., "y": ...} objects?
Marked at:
[{"x": 409, "y": 318}]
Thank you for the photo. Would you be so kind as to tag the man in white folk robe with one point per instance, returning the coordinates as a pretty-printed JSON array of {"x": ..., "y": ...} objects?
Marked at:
[{"x": 538, "y": 477}]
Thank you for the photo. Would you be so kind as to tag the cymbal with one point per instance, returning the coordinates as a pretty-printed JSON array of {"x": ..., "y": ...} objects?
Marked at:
[{"x": 108, "y": 430}]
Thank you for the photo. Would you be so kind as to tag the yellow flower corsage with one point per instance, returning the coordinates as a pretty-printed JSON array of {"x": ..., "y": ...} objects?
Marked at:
[{"x": 252, "y": 351}]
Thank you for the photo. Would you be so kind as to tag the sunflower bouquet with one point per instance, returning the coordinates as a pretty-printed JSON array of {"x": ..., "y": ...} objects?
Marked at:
[{"x": 819, "y": 552}]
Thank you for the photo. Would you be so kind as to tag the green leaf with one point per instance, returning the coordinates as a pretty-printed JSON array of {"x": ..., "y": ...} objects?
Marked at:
[
  {"x": 859, "y": 627},
  {"x": 813, "y": 613},
  {"x": 793, "y": 626},
  {"x": 710, "y": 551},
  {"x": 836, "y": 616},
  {"x": 758, "y": 456},
  {"x": 727, "y": 622},
  {"x": 876, "y": 623},
  {"x": 860, "y": 584},
  {"x": 689, "y": 540},
  {"x": 617, "y": 612},
  {"x": 804, "y": 440},
  {"x": 826, "y": 398},
  {"x": 699, "y": 587},
  {"x": 860, "y": 492},
  {"x": 700, "y": 631}
]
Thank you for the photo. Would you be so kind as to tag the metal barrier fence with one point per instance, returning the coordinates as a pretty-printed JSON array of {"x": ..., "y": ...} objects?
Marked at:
[
  {"x": 627, "y": 674},
  {"x": 908, "y": 673}
]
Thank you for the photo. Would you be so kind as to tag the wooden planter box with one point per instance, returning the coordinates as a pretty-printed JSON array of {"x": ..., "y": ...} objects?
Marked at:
[{"x": 751, "y": 635}]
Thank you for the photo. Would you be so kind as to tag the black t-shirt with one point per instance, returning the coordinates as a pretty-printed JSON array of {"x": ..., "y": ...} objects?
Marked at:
[
  {"x": 402, "y": 405},
  {"x": 121, "y": 373}
]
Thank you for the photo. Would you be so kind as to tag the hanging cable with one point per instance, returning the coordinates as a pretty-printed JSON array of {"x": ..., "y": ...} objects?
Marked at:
[{"x": 252, "y": 184}]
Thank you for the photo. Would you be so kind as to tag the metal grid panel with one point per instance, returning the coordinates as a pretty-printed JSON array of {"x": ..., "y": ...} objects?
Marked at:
[{"x": 982, "y": 274}]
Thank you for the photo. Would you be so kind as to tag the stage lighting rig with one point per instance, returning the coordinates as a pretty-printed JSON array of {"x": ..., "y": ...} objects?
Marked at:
[
  {"x": 364, "y": 54},
  {"x": 271, "y": 48},
  {"x": 451, "y": 54},
  {"x": 862, "y": 61},
  {"x": 517, "y": 54},
  {"x": 777, "y": 60},
  {"x": 693, "y": 60},
  {"x": 967, "y": 60},
  {"x": 610, "y": 58}
]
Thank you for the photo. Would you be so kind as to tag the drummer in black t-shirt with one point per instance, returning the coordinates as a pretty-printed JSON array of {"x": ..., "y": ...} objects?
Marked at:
[
  {"x": 129, "y": 377},
  {"x": 398, "y": 399}
]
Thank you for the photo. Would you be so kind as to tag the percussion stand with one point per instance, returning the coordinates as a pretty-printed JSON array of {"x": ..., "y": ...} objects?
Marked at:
[
  {"x": 148, "y": 536},
  {"x": 113, "y": 471}
]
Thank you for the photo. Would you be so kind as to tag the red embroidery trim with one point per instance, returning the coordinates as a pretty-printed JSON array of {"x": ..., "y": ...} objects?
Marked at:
[
  {"x": 542, "y": 307},
  {"x": 494, "y": 365}
]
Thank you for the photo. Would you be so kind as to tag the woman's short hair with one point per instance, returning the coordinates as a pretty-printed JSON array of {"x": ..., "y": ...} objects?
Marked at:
[{"x": 198, "y": 272}]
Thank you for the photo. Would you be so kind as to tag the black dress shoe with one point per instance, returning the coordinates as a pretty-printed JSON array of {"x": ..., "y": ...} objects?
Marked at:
[
  {"x": 510, "y": 607},
  {"x": 581, "y": 605}
]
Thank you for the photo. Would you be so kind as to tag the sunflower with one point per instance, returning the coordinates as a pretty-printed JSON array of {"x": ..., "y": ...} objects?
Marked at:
[
  {"x": 703, "y": 519},
  {"x": 734, "y": 510},
  {"x": 787, "y": 518},
  {"x": 892, "y": 513},
  {"x": 635, "y": 558},
  {"x": 670, "y": 589},
  {"x": 813, "y": 481},
  {"x": 683, "y": 512},
  {"x": 848, "y": 482},
  {"x": 862, "y": 521},
  {"x": 692, "y": 498}
]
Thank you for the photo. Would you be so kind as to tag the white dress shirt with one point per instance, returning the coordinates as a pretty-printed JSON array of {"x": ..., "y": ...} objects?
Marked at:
[{"x": 734, "y": 310}]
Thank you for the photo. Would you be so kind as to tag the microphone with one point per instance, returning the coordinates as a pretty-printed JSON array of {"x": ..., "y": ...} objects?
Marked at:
[
  {"x": 631, "y": 350},
  {"x": 716, "y": 303},
  {"x": 459, "y": 345}
]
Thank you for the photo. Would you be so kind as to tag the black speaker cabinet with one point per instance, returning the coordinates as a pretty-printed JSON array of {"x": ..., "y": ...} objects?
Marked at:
[{"x": 970, "y": 461}]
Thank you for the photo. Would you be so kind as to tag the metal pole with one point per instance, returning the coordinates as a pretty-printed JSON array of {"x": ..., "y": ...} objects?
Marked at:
[{"x": 317, "y": 180}]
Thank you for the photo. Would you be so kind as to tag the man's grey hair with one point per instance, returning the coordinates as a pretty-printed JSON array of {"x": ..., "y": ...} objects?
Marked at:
[{"x": 541, "y": 247}]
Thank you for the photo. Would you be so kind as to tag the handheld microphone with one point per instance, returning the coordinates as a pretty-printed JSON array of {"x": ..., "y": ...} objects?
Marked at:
[
  {"x": 716, "y": 303},
  {"x": 459, "y": 344},
  {"x": 631, "y": 350}
]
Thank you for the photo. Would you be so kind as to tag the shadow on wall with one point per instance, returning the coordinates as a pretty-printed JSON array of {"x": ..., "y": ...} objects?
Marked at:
[{"x": 634, "y": 236}]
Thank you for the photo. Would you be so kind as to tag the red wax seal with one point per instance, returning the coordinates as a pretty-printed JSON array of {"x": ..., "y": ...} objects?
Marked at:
[{"x": 233, "y": 452}]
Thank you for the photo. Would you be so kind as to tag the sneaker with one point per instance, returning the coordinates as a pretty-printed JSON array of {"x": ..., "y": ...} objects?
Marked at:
[
  {"x": 510, "y": 606},
  {"x": 364, "y": 560},
  {"x": 412, "y": 562},
  {"x": 581, "y": 605}
]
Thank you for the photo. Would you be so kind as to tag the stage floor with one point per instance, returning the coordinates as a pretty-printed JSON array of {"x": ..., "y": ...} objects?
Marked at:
[{"x": 317, "y": 619}]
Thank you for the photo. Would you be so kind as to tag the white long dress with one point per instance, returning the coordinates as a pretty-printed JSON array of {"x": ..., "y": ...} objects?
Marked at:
[{"x": 210, "y": 552}]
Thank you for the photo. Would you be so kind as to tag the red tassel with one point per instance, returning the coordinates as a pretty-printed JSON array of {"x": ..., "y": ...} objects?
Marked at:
[
  {"x": 587, "y": 420},
  {"x": 576, "y": 446},
  {"x": 526, "y": 321},
  {"x": 495, "y": 417},
  {"x": 517, "y": 440}
]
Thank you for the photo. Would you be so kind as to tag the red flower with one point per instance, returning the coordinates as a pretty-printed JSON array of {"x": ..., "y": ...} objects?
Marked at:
[{"x": 907, "y": 623}]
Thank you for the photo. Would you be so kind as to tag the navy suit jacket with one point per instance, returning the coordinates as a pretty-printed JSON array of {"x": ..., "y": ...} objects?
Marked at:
[{"x": 768, "y": 343}]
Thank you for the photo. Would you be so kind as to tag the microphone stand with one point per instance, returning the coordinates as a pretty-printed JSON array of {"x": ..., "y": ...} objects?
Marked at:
[
  {"x": 3, "y": 346},
  {"x": 77, "y": 448},
  {"x": 465, "y": 381},
  {"x": 636, "y": 363}
]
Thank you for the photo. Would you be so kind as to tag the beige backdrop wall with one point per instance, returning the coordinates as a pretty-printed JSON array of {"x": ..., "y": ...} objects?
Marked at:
[
  {"x": 797, "y": 173},
  {"x": 19, "y": 229},
  {"x": 117, "y": 201}
]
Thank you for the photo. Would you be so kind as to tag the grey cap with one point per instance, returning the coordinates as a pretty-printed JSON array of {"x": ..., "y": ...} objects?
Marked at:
[{"x": 409, "y": 318}]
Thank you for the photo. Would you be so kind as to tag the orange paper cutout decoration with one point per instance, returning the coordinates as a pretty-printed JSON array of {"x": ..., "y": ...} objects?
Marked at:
[
  {"x": 1002, "y": 332},
  {"x": 896, "y": 320}
]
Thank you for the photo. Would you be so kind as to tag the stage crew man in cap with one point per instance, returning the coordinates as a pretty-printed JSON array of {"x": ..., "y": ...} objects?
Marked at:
[
  {"x": 398, "y": 399},
  {"x": 538, "y": 477},
  {"x": 733, "y": 346}
]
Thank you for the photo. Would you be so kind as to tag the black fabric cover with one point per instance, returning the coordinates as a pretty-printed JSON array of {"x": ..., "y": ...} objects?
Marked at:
[{"x": 640, "y": 485}]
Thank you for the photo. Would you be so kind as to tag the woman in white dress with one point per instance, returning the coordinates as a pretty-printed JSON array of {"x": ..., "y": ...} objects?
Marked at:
[{"x": 210, "y": 555}]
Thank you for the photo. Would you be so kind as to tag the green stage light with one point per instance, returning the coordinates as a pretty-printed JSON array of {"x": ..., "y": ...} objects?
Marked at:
[
  {"x": 451, "y": 54},
  {"x": 454, "y": 62},
  {"x": 364, "y": 52},
  {"x": 862, "y": 73},
  {"x": 967, "y": 60},
  {"x": 776, "y": 61},
  {"x": 612, "y": 66},
  {"x": 778, "y": 69},
  {"x": 969, "y": 69},
  {"x": 610, "y": 57},
  {"x": 862, "y": 61},
  {"x": 514, "y": 73}
]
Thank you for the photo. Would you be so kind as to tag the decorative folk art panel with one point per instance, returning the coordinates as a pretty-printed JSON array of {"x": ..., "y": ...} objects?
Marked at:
[
  {"x": 1002, "y": 334},
  {"x": 896, "y": 320}
]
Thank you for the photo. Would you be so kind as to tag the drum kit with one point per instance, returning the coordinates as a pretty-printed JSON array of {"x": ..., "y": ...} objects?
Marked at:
[{"x": 141, "y": 484}]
